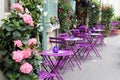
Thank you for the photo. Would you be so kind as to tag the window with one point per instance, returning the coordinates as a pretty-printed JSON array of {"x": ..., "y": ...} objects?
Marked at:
[{"x": 7, "y": 5}]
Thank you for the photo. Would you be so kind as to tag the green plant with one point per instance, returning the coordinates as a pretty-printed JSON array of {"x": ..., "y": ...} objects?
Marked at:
[
  {"x": 21, "y": 25},
  {"x": 74, "y": 21},
  {"x": 83, "y": 11},
  {"x": 107, "y": 14},
  {"x": 94, "y": 13},
  {"x": 64, "y": 13},
  {"x": 53, "y": 20},
  {"x": 34, "y": 8}
]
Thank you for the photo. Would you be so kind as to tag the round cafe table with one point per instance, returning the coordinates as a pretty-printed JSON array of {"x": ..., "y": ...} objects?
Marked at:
[
  {"x": 62, "y": 55},
  {"x": 92, "y": 39},
  {"x": 74, "y": 48}
]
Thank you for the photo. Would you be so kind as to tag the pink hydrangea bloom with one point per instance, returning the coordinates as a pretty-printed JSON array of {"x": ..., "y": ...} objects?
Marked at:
[
  {"x": 26, "y": 68},
  {"x": 18, "y": 43},
  {"x": 27, "y": 53},
  {"x": 28, "y": 19},
  {"x": 32, "y": 41},
  {"x": 18, "y": 7},
  {"x": 17, "y": 56}
]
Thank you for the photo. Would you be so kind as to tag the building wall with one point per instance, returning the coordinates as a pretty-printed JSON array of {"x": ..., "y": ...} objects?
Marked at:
[{"x": 1, "y": 10}]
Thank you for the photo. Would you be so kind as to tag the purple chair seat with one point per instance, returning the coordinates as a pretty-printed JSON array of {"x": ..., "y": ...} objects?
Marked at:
[{"x": 44, "y": 75}]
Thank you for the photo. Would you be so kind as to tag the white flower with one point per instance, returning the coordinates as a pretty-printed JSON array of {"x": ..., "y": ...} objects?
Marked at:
[
  {"x": 20, "y": 14},
  {"x": 45, "y": 13},
  {"x": 27, "y": 11},
  {"x": 40, "y": 8},
  {"x": 93, "y": 6},
  {"x": 20, "y": 2}
]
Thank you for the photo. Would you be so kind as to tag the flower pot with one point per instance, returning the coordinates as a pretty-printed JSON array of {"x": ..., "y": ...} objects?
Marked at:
[{"x": 117, "y": 31}]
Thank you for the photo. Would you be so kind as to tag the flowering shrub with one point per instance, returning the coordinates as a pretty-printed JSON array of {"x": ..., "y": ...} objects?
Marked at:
[
  {"x": 19, "y": 42},
  {"x": 107, "y": 14},
  {"x": 17, "y": 56},
  {"x": 94, "y": 13},
  {"x": 32, "y": 42},
  {"x": 26, "y": 68},
  {"x": 18, "y": 7},
  {"x": 64, "y": 13},
  {"x": 23, "y": 53},
  {"x": 28, "y": 19}
]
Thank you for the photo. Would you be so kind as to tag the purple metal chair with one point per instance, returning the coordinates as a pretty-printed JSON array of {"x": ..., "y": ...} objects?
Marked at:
[
  {"x": 85, "y": 46},
  {"x": 63, "y": 45},
  {"x": 63, "y": 35},
  {"x": 45, "y": 74},
  {"x": 100, "y": 29},
  {"x": 100, "y": 26}
]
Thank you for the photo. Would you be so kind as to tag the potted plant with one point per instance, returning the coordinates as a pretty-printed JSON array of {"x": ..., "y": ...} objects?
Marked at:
[{"x": 106, "y": 15}]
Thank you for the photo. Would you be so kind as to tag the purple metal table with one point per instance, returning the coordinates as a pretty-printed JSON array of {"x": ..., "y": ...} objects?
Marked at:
[
  {"x": 62, "y": 55},
  {"x": 74, "y": 48},
  {"x": 93, "y": 40},
  {"x": 99, "y": 30}
]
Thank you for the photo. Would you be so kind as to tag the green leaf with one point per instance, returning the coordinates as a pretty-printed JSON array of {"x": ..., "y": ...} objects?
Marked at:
[
  {"x": 1, "y": 53},
  {"x": 9, "y": 75},
  {"x": 9, "y": 28},
  {"x": 4, "y": 52},
  {"x": 8, "y": 62},
  {"x": 25, "y": 41},
  {"x": 12, "y": 75},
  {"x": 8, "y": 34},
  {"x": 4, "y": 20},
  {"x": 15, "y": 22},
  {"x": 24, "y": 77},
  {"x": 16, "y": 35},
  {"x": 22, "y": 28}
]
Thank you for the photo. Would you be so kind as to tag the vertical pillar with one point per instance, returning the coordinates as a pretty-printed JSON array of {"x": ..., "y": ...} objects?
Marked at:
[{"x": 44, "y": 47}]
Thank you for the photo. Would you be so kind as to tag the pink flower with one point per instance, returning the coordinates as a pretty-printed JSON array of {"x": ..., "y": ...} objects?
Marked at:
[
  {"x": 18, "y": 7},
  {"x": 28, "y": 19},
  {"x": 32, "y": 41},
  {"x": 18, "y": 43},
  {"x": 17, "y": 56},
  {"x": 26, "y": 68},
  {"x": 27, "y": 53}
]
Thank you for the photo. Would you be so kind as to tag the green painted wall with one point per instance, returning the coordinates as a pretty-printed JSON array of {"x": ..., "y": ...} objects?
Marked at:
[{"x": 52, "y": 8}]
